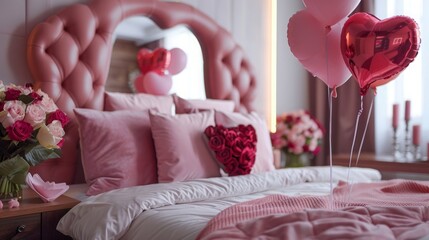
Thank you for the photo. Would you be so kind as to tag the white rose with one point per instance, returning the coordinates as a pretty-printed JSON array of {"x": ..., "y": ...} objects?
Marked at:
[{"x": 47, "y": 138}]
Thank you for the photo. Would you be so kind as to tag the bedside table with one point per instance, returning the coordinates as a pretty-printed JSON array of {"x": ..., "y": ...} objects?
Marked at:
[
  {"x": 388, "y": 168},
  {"x": 34, "y": 219}
]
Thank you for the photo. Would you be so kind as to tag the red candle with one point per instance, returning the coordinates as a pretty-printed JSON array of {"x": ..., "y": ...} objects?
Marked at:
[
  {"x": 416, "y": 135},
  {"x": 395, "y": 116},
  {"x": 407, "y": 110}
]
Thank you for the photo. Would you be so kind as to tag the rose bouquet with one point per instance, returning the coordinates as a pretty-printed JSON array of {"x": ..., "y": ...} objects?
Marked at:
[
  {"x": 31, "y": 131},
  {"x": 234, "y": 148},
  {"x": 297, "y": 133}
]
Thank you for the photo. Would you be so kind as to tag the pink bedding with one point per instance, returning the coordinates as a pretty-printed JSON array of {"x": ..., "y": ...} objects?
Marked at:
[{"x": 395, "y": 209}]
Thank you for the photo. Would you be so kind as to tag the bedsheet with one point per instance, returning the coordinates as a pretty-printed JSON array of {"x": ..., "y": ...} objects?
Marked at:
[{"x": 180, "y": 210}]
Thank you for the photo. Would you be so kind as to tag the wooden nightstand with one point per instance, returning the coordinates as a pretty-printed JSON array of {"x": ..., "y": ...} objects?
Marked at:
[
  {"x": 387, "y": 166},
  {"x": 34, "y": 219}
]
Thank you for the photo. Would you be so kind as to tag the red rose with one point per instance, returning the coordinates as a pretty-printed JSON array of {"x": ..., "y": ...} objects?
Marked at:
[
  {"x": 19, "y": 131},
  {"x": 60, "y": 143},
  {"x": 12, "y": 94},
  {"x": 223, "y": 155},
  {"x": 210, "y": 131},
  {"x": 217, "y": 143},
  {"x": 2, "y": 106},
  {"x": 58, "y": 115},
  {"x": 36, "y": 97},
  {"x": 247, "y": 156},
  {"x": 238, "y": 147},
  {"x": 230, "y": 137},
  {"x": 230, "y": 165}
]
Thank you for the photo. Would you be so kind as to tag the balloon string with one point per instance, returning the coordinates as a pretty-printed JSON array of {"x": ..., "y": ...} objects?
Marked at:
[
  {"x": 354, "y": 136},
  {"x": 331, "y": 191},
  {"x": 362, "y": 141}
]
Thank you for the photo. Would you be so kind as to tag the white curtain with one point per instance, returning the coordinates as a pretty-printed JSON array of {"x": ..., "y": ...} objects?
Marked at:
[{"x": 412, "y": 84}]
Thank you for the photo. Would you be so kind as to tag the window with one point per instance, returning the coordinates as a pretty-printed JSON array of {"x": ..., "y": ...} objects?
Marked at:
[{"x": 410, "y": 84}]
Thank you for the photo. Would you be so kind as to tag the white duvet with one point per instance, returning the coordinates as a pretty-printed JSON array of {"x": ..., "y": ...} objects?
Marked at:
[{"x": 180, "y": 210}]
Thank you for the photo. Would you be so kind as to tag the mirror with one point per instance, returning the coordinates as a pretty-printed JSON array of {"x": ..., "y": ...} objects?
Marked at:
[{"x": 139, "y": 32}]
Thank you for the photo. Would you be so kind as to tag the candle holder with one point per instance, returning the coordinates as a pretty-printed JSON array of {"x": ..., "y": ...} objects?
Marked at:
[
  {"x": 417, "y": 156},
  {"x": 408, "y": 156},
  {"x": 396, "y": 153}
]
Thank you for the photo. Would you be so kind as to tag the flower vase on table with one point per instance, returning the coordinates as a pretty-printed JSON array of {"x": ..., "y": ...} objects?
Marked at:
[
  {"x": 298, "y": 136},
  {"x": 31, "y": 131},
  {"x": 12, "y": 176}
]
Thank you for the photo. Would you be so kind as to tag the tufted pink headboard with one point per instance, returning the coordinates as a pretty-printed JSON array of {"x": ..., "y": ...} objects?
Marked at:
[{"x": 69, "y": 58}]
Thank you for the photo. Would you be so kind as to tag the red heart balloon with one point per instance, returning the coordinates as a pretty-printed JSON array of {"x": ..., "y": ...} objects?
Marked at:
[
  {"x": 144, "y": 60},
  {"x": 160, "y": 60},
  {"x": 157, "y": 61},
  {"x": 376, "y": 51}
]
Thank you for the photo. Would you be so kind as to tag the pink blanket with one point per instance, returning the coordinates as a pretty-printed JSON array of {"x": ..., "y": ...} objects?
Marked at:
[{"x": 395, "y": 209}]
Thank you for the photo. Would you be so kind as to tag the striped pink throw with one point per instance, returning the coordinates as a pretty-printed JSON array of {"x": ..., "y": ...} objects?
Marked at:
[{"x": 383, "y": 196}]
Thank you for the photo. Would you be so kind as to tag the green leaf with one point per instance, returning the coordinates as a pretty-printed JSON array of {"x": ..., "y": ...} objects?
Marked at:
[
  {"x": 39, "y": 153},
  {"x": 15, "y": 169},
  {"x": 25, "y": 99}
]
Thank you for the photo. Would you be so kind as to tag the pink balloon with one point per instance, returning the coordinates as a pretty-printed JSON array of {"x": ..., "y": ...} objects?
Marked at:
[
  {"x": 157, "y": 84},
  {"x": 330, "y": 12},
  {"x": 318, "y": 48},
  {"x": 304, "y": 27},
  {"x": 178, "y": 61}
]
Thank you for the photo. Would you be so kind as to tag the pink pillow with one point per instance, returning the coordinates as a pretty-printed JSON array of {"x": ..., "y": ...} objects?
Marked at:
[
  {"x": 180, "y": 148},
  {"x": 194, "y": 105},
  {"x": 117, "y": 149},
  {"x": 234, "y": 148},
  {"x": 140, "y": 101},
  {"x": 264, "y": 150}
]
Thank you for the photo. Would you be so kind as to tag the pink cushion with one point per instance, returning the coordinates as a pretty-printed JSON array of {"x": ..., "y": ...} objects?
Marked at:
[
  {"x": 264, "y": 150},
  {"x": 122, "y": 101},
  {"x": 193, "y": 105},
  {"x": 180, "y": 148},
  {"x": 117, "y": 149}
]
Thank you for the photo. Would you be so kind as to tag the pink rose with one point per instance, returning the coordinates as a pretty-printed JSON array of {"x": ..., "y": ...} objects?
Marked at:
[
  {"x": 35, "y": 115},
  {"x": 19, "y": 131},
  {"x": 47, "y": 103},
  {"x": 12, "y": 94},
  {"x": 56, "y": 129},
  {"x": 15, "y": 111},
  {"x": 58, "y": 115}
]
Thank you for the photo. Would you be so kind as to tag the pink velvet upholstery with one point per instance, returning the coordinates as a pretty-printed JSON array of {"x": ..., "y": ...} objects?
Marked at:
[{"x": 69, "y": 57}]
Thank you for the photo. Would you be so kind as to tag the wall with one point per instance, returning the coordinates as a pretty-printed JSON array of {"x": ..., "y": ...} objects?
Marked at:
[{"x": 248, "y": 20}]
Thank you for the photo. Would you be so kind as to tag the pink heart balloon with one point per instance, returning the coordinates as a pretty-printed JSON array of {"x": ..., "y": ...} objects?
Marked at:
[
  {"x": 156, "y": 84},
  {"x": 318, "y": 48},
  {"x": 330, "y": 12},
  {"x": 375, "y": 50}
]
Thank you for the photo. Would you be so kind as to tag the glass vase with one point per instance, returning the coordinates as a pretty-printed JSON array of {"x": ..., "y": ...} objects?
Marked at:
[
  {"x": 9, "y": 190},
  {"x": 295, "y": 160}
]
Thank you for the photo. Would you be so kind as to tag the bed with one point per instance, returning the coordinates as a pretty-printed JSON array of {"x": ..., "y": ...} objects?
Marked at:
[{"x": 156, "y": 178}]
